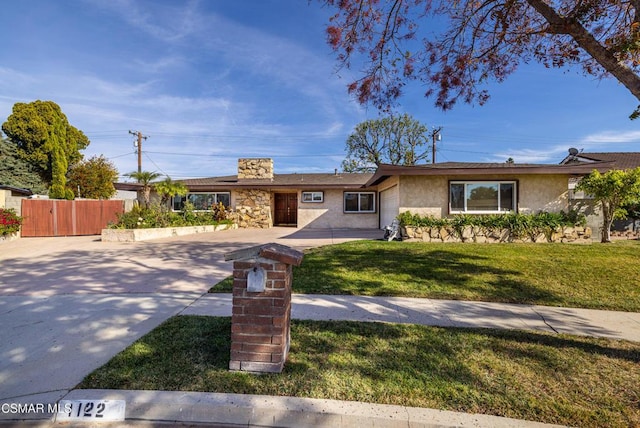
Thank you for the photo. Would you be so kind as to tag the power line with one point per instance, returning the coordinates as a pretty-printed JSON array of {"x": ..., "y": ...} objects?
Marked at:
[
  {"x": 245, "y": 155},
  {"x": 122, "y": 155},
  {"x": 156, "y": 165}
]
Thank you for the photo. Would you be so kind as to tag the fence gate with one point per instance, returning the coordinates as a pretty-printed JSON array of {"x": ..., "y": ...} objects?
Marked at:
[{"x": 42, "y": 217}]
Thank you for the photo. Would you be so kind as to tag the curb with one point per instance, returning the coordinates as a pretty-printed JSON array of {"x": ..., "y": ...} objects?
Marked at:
[{"x": 199, "y": 408}]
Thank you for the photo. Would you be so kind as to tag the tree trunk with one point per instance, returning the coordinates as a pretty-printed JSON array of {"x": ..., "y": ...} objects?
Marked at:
[
  {"x": 584, "y": 39},
  {"x": 607, "y": 214},
  {"x": 146, "y": 192}
]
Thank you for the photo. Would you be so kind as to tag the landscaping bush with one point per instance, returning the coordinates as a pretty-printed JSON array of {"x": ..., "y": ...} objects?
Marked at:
[
  {"x": 10, "y": 222},
  {"x": 519, "y": 225},
  {"x": 158, "y": 216}
]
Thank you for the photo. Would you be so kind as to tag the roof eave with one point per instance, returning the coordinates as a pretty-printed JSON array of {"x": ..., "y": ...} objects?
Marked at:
[
  {"x": 386, "y": 171},
  {"x": 272, "y": 186}
]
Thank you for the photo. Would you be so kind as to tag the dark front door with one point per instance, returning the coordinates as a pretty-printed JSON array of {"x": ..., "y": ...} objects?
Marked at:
[{"x": 286, "y": 212}]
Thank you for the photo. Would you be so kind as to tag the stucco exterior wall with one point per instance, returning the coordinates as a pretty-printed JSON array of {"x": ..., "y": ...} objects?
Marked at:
[
  {"x": 424, "y": 195},
  {"x": 593, "y": 212},
  {"x": 543, "y": 193},
  {"x": 330, "y": 213},
  {"x": 430, "y": 195},
  {"x": 388, "y": 183},
  {"x": 7, "y": 201}
]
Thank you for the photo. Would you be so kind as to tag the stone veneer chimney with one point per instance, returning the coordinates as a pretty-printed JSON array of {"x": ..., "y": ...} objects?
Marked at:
[
  {"x": 253, "y": 206},
  {"x": 255, "y": 168}
]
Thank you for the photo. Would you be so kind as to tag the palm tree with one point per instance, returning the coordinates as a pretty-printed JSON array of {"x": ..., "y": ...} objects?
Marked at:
[
  {"x": 145, "y": 178},
  {"x": 168, "y": 188}
]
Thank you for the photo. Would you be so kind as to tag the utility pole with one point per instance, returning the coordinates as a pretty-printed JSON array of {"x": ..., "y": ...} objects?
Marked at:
[
  {"x": 435, "y": 136},
  {"x": 138, "y": 145}
]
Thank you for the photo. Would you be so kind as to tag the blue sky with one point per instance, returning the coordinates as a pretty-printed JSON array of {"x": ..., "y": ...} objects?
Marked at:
[{"x": 211, "y": 81}]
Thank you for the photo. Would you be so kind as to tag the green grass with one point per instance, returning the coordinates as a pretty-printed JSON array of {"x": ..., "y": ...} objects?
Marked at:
[
  {"x": 557, "y": 379},
  {"x": 593, "y": 276}
]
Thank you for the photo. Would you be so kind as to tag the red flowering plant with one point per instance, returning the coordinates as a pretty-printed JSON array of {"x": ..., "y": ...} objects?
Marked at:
[{"x": 9, "y": 222}]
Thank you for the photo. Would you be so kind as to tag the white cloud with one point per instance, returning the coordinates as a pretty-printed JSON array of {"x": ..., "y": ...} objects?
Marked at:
[
  {"x": 608, "y": 137},
  {"x": 543, "y": 155},
  {"x": 168, "y": 23}
]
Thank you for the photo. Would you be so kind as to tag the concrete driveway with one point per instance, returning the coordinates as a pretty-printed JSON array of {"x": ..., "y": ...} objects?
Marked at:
[{"x": 67, "y": 305}]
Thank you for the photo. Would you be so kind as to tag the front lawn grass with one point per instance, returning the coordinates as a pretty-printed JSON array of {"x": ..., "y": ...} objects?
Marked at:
[
  {"x": 596, "y": 276},
  {"x": 556, "y": 379}
]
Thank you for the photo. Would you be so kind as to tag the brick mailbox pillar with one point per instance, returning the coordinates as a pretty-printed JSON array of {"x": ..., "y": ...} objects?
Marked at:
[{"x": 260, "y": 321}]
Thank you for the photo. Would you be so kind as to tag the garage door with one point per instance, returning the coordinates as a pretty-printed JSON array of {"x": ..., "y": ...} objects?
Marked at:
[{"x": 389, "y": 205}]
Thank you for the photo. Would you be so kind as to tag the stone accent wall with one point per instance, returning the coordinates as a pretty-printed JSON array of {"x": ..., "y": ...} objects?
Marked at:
[
  {"x": 480, "y": 235},
  {"x": 252, "y": 206},
  {"x": 253, "y": 209},
  {"x": 255, "y": 168}
]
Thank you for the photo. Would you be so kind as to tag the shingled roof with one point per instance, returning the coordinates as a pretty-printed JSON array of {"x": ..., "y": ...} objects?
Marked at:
[
  {"x": 619, "y": 160},
  {"x": 312, "y": 181},
  {"x": 306, "y": 181}
]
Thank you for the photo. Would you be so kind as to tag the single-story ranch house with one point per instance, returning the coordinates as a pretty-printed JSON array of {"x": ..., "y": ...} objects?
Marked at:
[{"x": 263, "y": 199}]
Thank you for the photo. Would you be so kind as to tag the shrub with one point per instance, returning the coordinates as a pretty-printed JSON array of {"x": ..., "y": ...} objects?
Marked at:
[
  {"x": 10, "y": 222},
  {"x": 156, "y": 216},
  {"x": 519, "y": 225}
]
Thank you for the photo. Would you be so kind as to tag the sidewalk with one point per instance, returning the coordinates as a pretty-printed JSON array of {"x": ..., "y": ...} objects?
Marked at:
[
  {"x": 153, "y": 408},
  {"x": 446, "y": 313}
]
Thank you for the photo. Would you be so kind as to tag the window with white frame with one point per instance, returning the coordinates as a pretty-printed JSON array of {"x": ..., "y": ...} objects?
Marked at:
[
  {"x": 313, "y": 197},
  {"x": 482, "y": 197},
  {"x": 202, "y": 201},
  {"x": 359, "y": 202}
]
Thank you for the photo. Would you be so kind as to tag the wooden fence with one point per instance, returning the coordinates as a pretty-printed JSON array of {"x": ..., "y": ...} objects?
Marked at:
[{"x": 46, "y": 217}]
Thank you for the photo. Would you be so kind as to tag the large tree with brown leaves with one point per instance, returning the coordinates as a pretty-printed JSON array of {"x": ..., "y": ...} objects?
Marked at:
[{"x": 456, "y": 47}]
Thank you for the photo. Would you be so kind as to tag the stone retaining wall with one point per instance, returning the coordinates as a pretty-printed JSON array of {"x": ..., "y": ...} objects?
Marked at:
[
  {"x": 626, "y": 234},
  {"x": 134, "y": 235},
  {"x": 481, "y": 235},
  {"x": 9, "y": 238}
]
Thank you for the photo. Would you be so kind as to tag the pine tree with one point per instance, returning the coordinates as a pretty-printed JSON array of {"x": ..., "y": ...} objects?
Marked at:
[{"x": 16, "y": 172}]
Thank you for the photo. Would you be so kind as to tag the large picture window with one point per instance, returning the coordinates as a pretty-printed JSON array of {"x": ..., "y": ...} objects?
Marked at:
[
  {"x": 359, "y": 202},
  {"x": 482, "y": 197},
  {"x": 202, "y": 201}
]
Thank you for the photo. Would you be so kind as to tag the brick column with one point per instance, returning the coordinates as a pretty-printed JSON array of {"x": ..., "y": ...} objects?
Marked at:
[{"x": 260, "y": 322}]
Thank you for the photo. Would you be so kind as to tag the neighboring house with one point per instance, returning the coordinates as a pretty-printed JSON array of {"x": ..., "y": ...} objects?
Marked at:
[
  {"x": 11, "y": 197},
  {"x": 616, "y": 160}
]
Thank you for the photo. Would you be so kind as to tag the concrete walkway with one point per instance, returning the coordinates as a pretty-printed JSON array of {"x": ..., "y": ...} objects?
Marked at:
[
  {"x": 67, "y": 305},
  {"x": 446, "y": 313}
]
